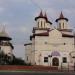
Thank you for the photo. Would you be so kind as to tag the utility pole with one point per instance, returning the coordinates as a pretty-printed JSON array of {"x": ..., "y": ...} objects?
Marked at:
[
  {"x": 74, "y": 39},
  {"x": 74, "y": 49}
]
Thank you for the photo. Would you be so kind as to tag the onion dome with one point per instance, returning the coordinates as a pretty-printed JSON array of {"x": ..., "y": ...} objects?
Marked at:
[{"x": 61, "y": 17}]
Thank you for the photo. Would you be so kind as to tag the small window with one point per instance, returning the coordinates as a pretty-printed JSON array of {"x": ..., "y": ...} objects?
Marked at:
[
  {"x": 44, "y": 24},
  {"x": 41, "y": 24},
  {"x": 63, "y": 25},
  {"x": 27, "y": 58},
  {"x": 59, "y": 25},
  {"x": 45, "y": 59},
  {"x": 64, "y": 60},
  {"x": 38, "y": 24},
  {"x": 64, "y": 43},
  {"x": 45, "y": 42}
]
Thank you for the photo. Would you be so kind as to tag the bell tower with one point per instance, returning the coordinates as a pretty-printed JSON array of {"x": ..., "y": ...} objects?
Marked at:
[
  {"x": 40, "y": 20},
  {"x": 62, "y": 22}
]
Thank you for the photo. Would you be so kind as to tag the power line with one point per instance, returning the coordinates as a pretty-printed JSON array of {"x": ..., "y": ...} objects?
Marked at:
[{"x": 35, "y": 4}]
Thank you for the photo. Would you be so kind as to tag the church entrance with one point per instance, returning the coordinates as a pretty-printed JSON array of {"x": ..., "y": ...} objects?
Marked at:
[{"x": 55, "y": 62}]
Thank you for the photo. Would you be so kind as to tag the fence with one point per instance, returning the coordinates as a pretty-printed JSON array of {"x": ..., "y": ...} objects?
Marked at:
[
  {"x": 67, "y": 67},
  {"x": 29, "y": 68}
]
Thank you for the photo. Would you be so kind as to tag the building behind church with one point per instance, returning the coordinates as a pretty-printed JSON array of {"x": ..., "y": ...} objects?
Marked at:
[
  {"x": 5, "y": 43},
  {"x": 6, "y": 47},
  {"x": 49, "y": 45}
]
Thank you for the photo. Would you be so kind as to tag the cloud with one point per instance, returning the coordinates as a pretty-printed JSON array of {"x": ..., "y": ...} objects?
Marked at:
[{"x": 23, "y": 29}]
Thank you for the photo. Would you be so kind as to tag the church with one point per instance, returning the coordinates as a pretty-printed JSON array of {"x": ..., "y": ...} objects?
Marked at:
[{"x": 49, "y": 45}]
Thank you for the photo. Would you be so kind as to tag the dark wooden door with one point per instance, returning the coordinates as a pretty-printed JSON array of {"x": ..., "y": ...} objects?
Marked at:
[{"x": 55, "y": 62}]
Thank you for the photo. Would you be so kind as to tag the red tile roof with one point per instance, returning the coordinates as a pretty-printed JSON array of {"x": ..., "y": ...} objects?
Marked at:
[
  {"x": 39, "y": 34},
  {"x": 27, "y": 44},
  {"x": 66, "y": 30},
  {"x": 35, "y": 28},
  {"x": 42, "y": 34},
  {"x": 67, "y": 35}
]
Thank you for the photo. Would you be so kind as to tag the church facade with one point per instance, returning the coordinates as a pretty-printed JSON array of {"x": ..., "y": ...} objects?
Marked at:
[{"x": 49, "y": 45}]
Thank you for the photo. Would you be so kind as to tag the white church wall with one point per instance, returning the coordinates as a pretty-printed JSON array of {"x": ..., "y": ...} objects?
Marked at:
[
  {"x": 40, "y": 43},
  {"x": 28, "y": 53},
  {"x": 48, "y": 25},
  {"x": 40, "y": 31},
  {"x": 41, "y": 23},
  {"x": 60, "y": 22}
]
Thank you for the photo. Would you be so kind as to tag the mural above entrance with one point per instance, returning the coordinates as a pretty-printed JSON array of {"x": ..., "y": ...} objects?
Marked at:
[{"x": 55, "y": 53}]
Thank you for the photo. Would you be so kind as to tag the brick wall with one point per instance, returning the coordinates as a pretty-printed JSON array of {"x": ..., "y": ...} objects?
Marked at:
[{"x": 30, "y": 68}]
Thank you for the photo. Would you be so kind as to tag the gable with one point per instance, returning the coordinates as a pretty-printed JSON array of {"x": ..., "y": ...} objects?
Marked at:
[{"x": 55, "y": 34}]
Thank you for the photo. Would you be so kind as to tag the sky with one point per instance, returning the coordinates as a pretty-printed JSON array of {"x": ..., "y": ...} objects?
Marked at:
[{"x": 18, "y": 17}]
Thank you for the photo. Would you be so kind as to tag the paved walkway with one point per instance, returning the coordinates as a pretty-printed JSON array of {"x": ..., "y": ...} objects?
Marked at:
[{"x": 36, "y": 73}]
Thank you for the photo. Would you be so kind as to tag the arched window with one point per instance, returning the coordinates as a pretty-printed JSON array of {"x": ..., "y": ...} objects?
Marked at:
[
  {"x": 63, "y": 25},
  {"x": 59, "y": 25},
  {"x": 41, "y": 24},
  {"x": 44, "y": 24},
  {"x": 38, "y": 24}
]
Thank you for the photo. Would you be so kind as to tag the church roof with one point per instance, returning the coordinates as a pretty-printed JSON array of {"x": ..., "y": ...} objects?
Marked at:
[
  {"x": 67, "y": 35},
  {"x": 42, "y": 34},
  {"x": 27, "y": 44},
  {"x": 39, "y": 34},
  {"x": 66, "y": 30},
  {"x": 47, "y": 18},
  {"x": 61, "y": 17},
  {"x": 43, "y": 16},
  {"x": 47, "y": 34},
  {"x": 35, "y": 28},
  {"x": 4, "y": 35},
  {"x": 40, "y": 16}
]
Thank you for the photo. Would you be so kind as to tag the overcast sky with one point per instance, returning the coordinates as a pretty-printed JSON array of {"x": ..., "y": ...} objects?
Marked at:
[{"x": 18, "y": 17}]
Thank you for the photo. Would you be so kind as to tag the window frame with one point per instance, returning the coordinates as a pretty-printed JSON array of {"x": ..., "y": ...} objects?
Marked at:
[
  {"x": 45, "y": 59},
  {"x": 64, "y": 59}
]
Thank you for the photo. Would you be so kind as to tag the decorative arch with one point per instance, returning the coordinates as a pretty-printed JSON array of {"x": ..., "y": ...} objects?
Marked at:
[{"x": 55, "y": 53}]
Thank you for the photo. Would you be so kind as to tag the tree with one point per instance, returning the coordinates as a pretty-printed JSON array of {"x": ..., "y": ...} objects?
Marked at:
[{"x": 17, "y": 61}]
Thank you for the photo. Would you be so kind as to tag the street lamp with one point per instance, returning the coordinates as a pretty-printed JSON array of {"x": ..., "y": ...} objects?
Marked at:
[{"x": 49, "y": 59}]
